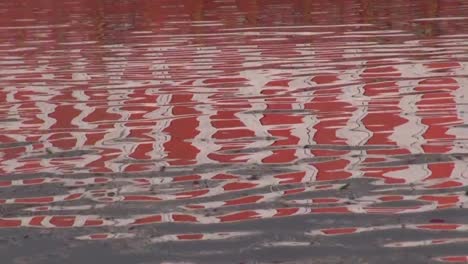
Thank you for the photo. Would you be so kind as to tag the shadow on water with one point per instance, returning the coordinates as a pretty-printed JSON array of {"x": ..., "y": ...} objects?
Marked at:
[{"x": 233, "y": 131}]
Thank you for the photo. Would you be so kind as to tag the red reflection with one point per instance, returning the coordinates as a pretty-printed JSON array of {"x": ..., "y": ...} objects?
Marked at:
[{"x": 261, "y": 109}]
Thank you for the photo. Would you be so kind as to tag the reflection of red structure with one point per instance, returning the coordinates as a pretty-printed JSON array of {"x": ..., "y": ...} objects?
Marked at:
[
  {"x": 59, "y": 221},
  {"x": 239, "y": 106},
  {"x": 355, "y": 230},
  {"x": 439, "y": 112},
  {"x": 93, "y": 117},
  {"x": 453, "y": 259}
]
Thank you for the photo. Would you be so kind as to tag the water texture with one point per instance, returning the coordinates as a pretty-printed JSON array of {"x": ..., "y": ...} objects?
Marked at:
[{"x": 233, "y": 131}]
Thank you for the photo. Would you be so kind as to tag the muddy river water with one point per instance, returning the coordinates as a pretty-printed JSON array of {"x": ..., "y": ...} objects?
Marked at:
[{"x": 233, "y": 131}]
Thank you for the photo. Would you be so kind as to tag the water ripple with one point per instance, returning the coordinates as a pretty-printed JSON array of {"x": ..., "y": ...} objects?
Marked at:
[{"x": 281, "y": 130}]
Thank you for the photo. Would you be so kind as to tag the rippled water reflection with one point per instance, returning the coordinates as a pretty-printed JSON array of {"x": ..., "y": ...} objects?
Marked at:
[{"x": 233, "y": 131}]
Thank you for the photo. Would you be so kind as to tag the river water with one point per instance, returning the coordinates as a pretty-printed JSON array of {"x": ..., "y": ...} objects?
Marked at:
[{"x": 233, "y": 131}]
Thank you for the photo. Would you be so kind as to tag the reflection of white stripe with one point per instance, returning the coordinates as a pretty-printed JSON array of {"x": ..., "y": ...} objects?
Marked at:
[
  {"x": 204, "y": 140},
  {"x": 460, "y": 143},
  {"x": 205, "y": 236},
  {"x": 12, "y": 165},
  {"x": 157, "y": 133},
  {"x": 421, "y": 243},
  {"x": 79, "y": 221},
  {"x": 320, "y": 232},
  {"x": 409, "y": 134},
  {"x": 256, "y": 80},
  {"x": 84, "y": 109},
  {"x": 354, "y": 132},
  {"x": 305, "y": 132},
  {"x": 46, "y": 222},
  {"x": 108, "y": 236},
  {"x": 46, "y": 110},
  {"x": 461, "y": 100},
  {"x": 65, "y": 208}
]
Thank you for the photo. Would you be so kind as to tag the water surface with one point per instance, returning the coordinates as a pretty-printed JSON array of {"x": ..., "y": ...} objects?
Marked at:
[{"x": 139, "y": 131}]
